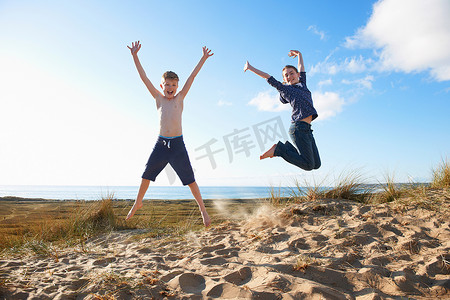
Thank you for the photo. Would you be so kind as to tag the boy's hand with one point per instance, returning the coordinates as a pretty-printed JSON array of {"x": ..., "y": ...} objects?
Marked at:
[
  {"x": 294, "y": 53},
  {"x": 135, "y": 46},
  {"x": 247, "y": 66},
  {"x": 207, "y": 52}
]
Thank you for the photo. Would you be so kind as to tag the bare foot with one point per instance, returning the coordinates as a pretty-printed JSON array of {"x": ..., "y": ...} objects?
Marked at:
[
  {"x": 206, "y": 218},
  {"x": 137, "y": 205},
  {"x": 269, "y": 153}
]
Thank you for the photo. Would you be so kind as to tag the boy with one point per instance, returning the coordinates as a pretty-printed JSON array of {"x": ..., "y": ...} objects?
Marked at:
[
  {"x": 295, "y": 92},
  {"x": 170, "y": 147}
]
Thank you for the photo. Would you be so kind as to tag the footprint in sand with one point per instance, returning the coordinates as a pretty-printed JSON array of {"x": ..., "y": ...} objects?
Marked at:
[
  {"x": 145, "y": 250},
  {"x": 319, "y": 238},
  {"x": 299, "y": 243},
  {"x": 389, "y": 227},
  {"x": 212, "y": 248},
  {"x": 239, "y": 277},
  {"x": 13, "y": 264},
  {"x": 276, "y": 238},
  {"x": 77, "y": 284},
  {"x": 217, "y": 239},
  {"x": 215, "y": 261},
  {"x": 168, "y": 277},
  {"x": 438, "y": 265},
  {"x": 104, "y": 261},
  {"x": 228, "y": 252},
  {"x": 190, "y": 283},
  {"x": 228, "y": 291}
]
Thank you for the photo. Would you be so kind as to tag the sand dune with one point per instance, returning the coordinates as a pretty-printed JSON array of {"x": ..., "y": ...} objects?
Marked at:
[{"x": 320, "y": 250}]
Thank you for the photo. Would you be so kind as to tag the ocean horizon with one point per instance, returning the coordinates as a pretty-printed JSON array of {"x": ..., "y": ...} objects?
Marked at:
[{"x": 60, "y": 192}]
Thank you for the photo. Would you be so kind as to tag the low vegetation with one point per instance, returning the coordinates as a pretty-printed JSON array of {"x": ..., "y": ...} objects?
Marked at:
[
  {"x": 441, "y": 175},
  {"x": 40, "y": 226},
  {"x": 353, "y": 186}
]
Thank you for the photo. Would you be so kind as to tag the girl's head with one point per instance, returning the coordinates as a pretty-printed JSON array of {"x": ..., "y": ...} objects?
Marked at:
[{"x": 291, "y": 75}]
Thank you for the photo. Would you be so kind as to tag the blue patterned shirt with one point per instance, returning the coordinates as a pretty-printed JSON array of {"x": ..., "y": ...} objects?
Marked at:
[{"x": 298, "y": 96}]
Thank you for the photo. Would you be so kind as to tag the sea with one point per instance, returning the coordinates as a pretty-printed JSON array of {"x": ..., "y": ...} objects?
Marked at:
[{"x": 130, "y": 192}]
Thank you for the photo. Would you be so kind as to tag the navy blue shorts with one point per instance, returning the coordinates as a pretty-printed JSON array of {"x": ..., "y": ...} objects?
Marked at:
[{"x": 172, "y": 151}]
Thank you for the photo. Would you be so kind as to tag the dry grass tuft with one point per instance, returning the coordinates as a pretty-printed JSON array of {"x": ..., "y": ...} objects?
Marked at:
[
  {"x": 350, "y": 186},
  {"x": 390, "y": 191},
  {"x": 276, "y": 199},
  {"x": 303, "y": 262},
  {"x": 441, "y": 175}
]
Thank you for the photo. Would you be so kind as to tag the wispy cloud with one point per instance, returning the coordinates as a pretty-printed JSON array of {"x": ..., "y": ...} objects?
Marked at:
[
  {"x": 224, "y": 103},
  {"x": 325, "y": 82},
  {"x": 357, "y": 64},
  {"x": 353, "y": 64},
  {"x": 315, "y": 30},
  {"x": 268, "y": 101},
  {"x": 409, "y": 36},
  {"x": 365, "y": 82}
]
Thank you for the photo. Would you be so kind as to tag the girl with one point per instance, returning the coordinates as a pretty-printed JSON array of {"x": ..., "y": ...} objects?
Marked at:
[{"x": 294, "y": 92}]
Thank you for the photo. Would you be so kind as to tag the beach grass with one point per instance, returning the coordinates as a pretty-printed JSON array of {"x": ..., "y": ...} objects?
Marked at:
[
  {"x": 38, "y": 226},
  {"x": 441, "y": 175},
  {"x": 352, "y": 185},
  {"x": 349, "y": 185}
]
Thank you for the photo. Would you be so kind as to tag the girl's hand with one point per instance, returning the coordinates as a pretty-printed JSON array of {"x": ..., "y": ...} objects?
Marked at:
[
  {"x": 294, "y": 53},
  {"x": 135, "y": 46},
  {"x": 207, "y": 52}
]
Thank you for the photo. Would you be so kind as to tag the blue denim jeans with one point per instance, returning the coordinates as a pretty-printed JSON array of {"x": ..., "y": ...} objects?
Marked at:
[{"x": 307, "y": 155}]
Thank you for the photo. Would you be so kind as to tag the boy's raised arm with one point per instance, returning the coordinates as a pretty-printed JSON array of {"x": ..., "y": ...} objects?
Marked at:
[
  {"x": 135, "y": 47},
  {"x": 206, "y": 54},
  {"x": 255, "y": 70}
]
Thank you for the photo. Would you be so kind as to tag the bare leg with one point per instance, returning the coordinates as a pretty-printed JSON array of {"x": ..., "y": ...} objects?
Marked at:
[
  {"x": 198, "y": 197},
  {"x": 138, "y": 203},
  {"x": 269, "y": 153}
]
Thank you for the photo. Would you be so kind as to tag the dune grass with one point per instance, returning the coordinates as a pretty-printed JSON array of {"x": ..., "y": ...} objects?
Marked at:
[
  {"x": 49, "y": 224},
  {"x": 441, "y": 175},
  {"x": 40, "y": 227},
  {"x": 348, "y": 185},
  {"x": 353, "y": 186},
  {"x": 389, "y": 190}
]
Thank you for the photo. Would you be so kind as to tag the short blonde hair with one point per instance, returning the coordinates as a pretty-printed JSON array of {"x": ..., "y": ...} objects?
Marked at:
[{"x": 170, "y": 75}]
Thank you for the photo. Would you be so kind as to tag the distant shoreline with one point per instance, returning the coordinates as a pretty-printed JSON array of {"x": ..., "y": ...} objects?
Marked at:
[
  {"x": 129, "y": 193},
  {"x": 28, "y": 199}
]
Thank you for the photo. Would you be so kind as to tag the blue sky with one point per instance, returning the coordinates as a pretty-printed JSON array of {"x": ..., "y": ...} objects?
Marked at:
[{"x": 73, "y": 110}]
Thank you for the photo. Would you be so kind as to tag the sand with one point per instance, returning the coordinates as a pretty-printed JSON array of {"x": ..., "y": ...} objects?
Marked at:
[{"x": 321, "y": 250}]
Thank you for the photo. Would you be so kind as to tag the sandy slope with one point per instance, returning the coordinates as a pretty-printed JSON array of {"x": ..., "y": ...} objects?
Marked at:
[{"x": 320, "y": 250}]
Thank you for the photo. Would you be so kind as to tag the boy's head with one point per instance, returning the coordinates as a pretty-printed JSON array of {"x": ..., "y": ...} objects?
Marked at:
[
  {"x": 169, "y": 84},
  {"x": 291, "y": 75}
]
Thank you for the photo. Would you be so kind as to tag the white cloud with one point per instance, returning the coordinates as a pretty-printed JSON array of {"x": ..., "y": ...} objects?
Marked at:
[
  {"x": 365, "y": 82},
  {"x": 268, "y": 101},
  {"x": 357, "y": 64},
  {"x": 315, "y": 30},
  {"x": 327, "y": 104},
  {"x": 325, "y": 82},
  {"x": 324, "y": 67},
  {"x": 350, "y": 64},
  {"x": 412, "y": 36},
  {"x": 224, "y": 103}
]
